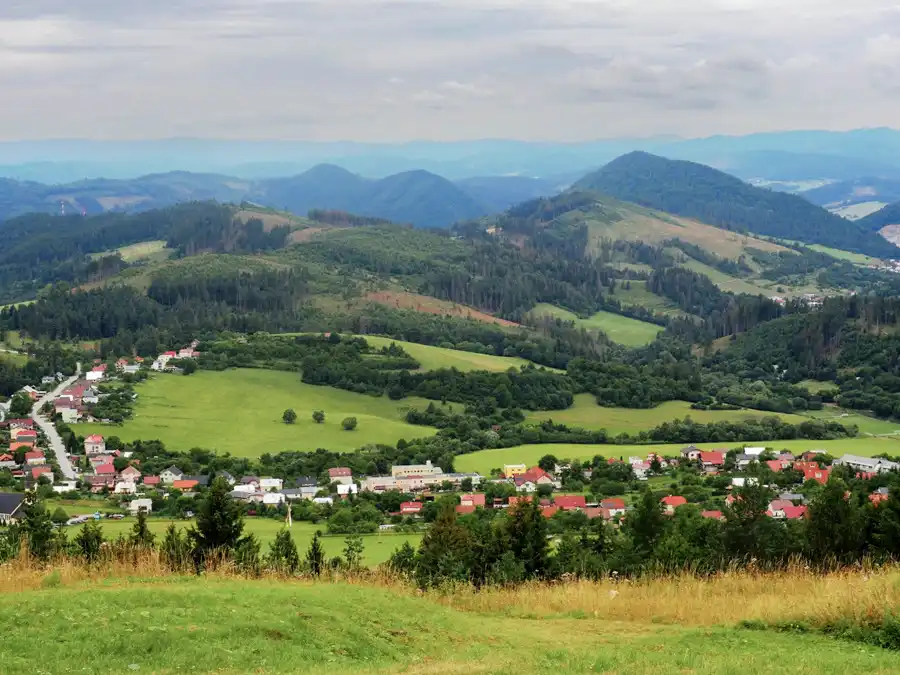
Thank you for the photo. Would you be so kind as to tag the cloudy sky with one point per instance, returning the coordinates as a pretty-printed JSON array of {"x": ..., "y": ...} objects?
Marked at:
[{"x": 387, "y": 70}]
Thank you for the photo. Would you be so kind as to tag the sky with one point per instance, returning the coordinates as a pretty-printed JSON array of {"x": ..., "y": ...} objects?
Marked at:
[{"x": 395, "y": 70}]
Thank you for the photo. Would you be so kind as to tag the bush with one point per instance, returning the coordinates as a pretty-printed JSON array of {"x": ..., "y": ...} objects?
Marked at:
[{"x": 349, "y": 423}]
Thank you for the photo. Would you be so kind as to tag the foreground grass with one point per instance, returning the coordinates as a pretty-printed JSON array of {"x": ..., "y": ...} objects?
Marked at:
[
  {"x": 485, "y": 460},
  {"x": 621, "y": 329},
  {"x": 239, "y": 411},
  {"x": 585, "y": 413},
  {"x": 229, "y": 626}
]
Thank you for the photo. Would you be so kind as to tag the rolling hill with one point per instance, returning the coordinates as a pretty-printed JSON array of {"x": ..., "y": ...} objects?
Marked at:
[
  {"x": 857, "y": 191},
  {"x": 698, "y": 191}
]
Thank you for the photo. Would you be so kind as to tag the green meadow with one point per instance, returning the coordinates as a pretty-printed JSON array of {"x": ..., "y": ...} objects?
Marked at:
[
  {"x": 485, "y": 460},
  {"x": 621, "y": 329},
  {"x": 239, "y": 411},
  {"x": 270, "y": 627},
  {"x": 433, "y": 358},
  {"x": 585, "y": 413}
]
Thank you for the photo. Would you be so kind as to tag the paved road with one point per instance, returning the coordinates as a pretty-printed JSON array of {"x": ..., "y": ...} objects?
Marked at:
[{"x": 49, "y": 430}]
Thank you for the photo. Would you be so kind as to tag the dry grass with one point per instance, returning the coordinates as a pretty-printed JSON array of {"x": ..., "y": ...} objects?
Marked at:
[
  {"x": 795, "y": 595},
  {"x": 429, "y": 305}
]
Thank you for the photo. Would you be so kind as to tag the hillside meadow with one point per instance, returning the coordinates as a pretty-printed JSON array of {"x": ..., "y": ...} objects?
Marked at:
[
  {"x": 226, "y": 625},
  {"x": 485, "y": 460},
  {"x": 585, "y": 413},
  {"x": 239, "y": 411},
  {"x": 621, "y": 329},
  {"x": 434, "y": 358}
]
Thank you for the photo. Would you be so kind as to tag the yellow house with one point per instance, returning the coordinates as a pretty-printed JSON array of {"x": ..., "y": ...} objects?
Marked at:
[{"x": 511, "y": 470}]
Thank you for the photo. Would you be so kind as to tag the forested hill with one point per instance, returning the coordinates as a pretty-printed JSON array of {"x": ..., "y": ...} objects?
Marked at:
[
  {"x": 418, "y": 197},
  {"x": 698, "y": 191},
  {"x": 889, "y": 215}
]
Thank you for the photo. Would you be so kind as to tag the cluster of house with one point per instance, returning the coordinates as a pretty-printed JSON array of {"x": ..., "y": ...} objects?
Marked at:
[
  {"x": 161, "y": 362},
  {"x": 892, "y": 266},
  {"x": 74, "y": 402},
  {"x": 415, "y": 478},
  {"x": 23, "y": 441},
  {"x": 809, "y": 299}
]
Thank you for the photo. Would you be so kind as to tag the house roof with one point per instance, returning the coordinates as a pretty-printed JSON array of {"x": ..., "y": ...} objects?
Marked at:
[
  {"x": 339, "y": 472},
  {"x": 203, "y": 481},
  {"x": 673, "y": 501},
  {"x": 184, "y": 484},
  {"x": 794, "y": 512},
  {"x": 10, "y": 502},
  {"x": 613, "y": 503},
  {"x": 714, "y": 457},
  {"x": 151, "y": 480},
  {"x": 715, "y": 515},
  {"x": 411, "y": 506},
  {"x": 780, "y": 505},
  {"x": 174, "y": 470},
  {"x": 34, "y": 454},
  {"x": 820, "y": 475},
  {"x": 465, "y": 509},
  {"x": 775, "y": 465},
  {"x": 131, "y": 471},
  {"x": 475, "y": 499},
  {"x": 38, "y": 471},
  {"x": 306, "y": 481},
  {"x": 94, "y": 438},
  {"x": 549, "y": 511},
  {"x": 570, "y": 502},
  {"x": 104, "y": 469}
]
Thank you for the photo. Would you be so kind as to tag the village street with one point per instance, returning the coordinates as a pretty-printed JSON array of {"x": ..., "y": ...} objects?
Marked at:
[{"x": 49, "y": 430}]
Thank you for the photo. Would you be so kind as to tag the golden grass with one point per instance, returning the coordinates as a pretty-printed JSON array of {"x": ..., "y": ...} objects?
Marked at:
[{"x": 797, "y": 594}]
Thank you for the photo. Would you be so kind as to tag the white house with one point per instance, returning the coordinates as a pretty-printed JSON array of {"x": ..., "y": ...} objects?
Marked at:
[
  {"x": 344, "y": 490},
  {"x": 867, "y": 464},
  {"x": 125, "y": 487},
  {"x": 170, "y": 475},
  {"x": 269, "y": 484},
  {"x": 65, "y": 486},
  {"x": 96, "y": 373},
  {"x": 323, "y": 500},
  {"x": 273, "y": 498},
  {"x": 137, "y": 505},
  {"x": 743, "y": 482},
  {"x": 94, "y": 445},
  {"x": 755, "y": 452}
]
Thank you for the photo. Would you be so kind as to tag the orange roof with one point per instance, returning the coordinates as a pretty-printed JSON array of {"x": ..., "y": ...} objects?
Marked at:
[
  {"x": 465, "y": 509},
  {"x": 673, "y": 501},
  {"x": 549, "y": 511},
  {"x": 715, "y": 515},
  {"x": 185, "y": 484},
  {"x": 474, "y": 499},
  {"x": 22, "y": 444},
  {"x": 570, "y": 502},
  {"x": 613, "y": 503}
]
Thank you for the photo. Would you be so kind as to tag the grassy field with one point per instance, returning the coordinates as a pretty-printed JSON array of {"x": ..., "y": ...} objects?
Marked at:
[
  {"x": 378, "y": 547},
  {"x": 486, "y": 460},
  {"x": 866, "y": 424},
  {"x": 587, "y": 414},
  {"x": 622, "y": 329},
  {"x": 858, "y": 258},
  {"x": 638, "y": 295},
  {"x": 143, "y": 251},
  {"x": 233, "y": 626},
  {"x": 433, "y": 358},
  {"x": 815, "y": 386},
  {"x": 239, "y": 411}
]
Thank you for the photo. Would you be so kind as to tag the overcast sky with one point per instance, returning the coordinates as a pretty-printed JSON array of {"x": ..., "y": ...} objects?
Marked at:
[{"x": 386, "y": 70}]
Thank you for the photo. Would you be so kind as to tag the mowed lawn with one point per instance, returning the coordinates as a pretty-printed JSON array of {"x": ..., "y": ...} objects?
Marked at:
[
  {"x": 378, "y": 547},
  {"x": 433, "y": 358},
  {"x": 585, "y": 413},
  {"x": 485, "y": 460},
  {"x": 239, "y": 411},
  {"x": 621, "y": 329}
]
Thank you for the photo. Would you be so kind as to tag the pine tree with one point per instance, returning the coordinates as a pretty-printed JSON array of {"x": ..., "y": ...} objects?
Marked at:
[
  {"x": 175, "y": 549},
  {"x": 646, "y": 523},
  {"x": 247, "y": 558},
  {"x": 283, "y": 556},
  {"x": 141, "y": 535},
  {"x": 37, "y": 527},
  {"x": 220, "y": 523},
  {"x": 444, "y": 551},
  {"x": 90, "y": 540},
  {"x": 833, "y": 528},
  {"x": 315, "y": 555},
  {"x": 526, "y": 530}
]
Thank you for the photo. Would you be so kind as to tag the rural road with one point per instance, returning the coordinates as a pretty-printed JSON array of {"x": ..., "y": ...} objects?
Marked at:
[{"x": 56, "y": 444}]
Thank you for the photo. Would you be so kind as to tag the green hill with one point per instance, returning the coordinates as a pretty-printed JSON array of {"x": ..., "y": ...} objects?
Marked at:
[{"x": 698, "y": 191}]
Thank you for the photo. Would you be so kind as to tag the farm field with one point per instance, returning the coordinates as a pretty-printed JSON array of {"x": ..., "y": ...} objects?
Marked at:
[
  {"x": 622, "y": 329},
  {"x": 378, "y": 547},
  {"x": 858, "y": 258},
  {"x": 239, "y": 411},
  {"x": 485, "y": 460},
  {"x": 587, "y": 414},
  {"x": 866, "y": 424},
  {"x": 433, "y": 358},
  {"x": 144, "y": 250},
  {"x": 230, "y": 626}
]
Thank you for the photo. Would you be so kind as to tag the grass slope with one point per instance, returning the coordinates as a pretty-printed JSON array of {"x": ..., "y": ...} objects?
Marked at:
[
  {"x": 622, "y": 329},
  {"x": 239, "y": 411},
  {"x": 638, "y": 295},
  {"x": 230, "y": 627},
  {"x": 485, "y": 460},
  {"x": 433, "y": 358},
  {"x": 587, "y": 414}
]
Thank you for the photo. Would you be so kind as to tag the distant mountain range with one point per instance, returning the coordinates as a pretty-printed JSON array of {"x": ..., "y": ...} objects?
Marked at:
[
  {"x": 418, "y": 197},
  {"x": 784, "y": 156},
  {"x": 716, "y": 198},
  {"x": 857, "y": 191}
]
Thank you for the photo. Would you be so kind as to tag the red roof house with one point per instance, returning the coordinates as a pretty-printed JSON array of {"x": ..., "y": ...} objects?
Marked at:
[
  {"x": 24, "y": 435},
  {"x": 151, "y": 480},
  {"x": 615, "y": 503},
  {"x": 713, "y": 515},
  {"x": 339, "y": 472},
  {"x": 777, "y": 465},
  {"x": 671, "y": 503},
  {"x": 877, "y": 497},
  {"x": 465, "y": 509},
  {"x": 34, "y": 457},
  {"x": 185, "y": 485},
  {"x": 570, "y": 502},
  {"x": 38, "y": 471},
  {"x": 549, "y": 511},
  {"x": 713, "y": 458},
  {"x": 105, "y": 470},
  {"x": 474, "y": 499},
  {"x": 15, "y": 445},
  {"x": 794, "y": 512},
  {"x": 515, "y": 501},
  {"x": 409, "y": 508},
  {"x": 820, "y": 475},
  {"x": 537, "y": 476}
]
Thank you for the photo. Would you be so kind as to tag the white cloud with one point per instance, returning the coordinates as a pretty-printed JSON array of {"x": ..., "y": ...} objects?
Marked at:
[{"x": 555, "y": 69}]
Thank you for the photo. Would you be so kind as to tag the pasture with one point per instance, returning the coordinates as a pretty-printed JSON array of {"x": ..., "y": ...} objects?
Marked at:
[
  {"x": 637, "y": 295},
  {"x": 585, "y": 413},
  {"x": 621, "y": 329},
  {"x": 239, "y": 411},
  {"x": 433, "y": 358},
  {"x": 485, "y": 460}
]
